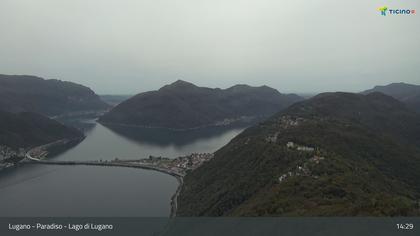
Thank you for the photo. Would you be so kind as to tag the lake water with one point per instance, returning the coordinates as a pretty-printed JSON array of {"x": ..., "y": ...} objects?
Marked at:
[{"x": 45, "y": 190}]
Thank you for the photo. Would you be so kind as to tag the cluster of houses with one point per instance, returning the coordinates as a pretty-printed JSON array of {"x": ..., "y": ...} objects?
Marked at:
[
  {"x": 192, "y": 161},
  {"x": 229, "y": 121},
  {"x": 39, "y": 152},
  {"x": 292, "y": 145},
  {"x": 272, "y": 138},
  {"x": 288, "y": 121},
  {"x": 180, "y": 164},
  {"x": 302, "y": 170},
  {"x": 8, "y": 153}
]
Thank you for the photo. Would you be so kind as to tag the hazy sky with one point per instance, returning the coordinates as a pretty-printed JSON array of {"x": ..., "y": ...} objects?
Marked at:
[{"x": 123, "y": 46}]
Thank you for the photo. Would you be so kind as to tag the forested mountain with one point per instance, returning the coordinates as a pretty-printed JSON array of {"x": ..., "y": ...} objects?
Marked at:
[
  {"x": 336, "y": 154},
  {"x": 407, "y": 93},
  {"x": 26, "y": 129},
  {"x": 23, "y": 93},
  {"x": 182, "y": 105}
]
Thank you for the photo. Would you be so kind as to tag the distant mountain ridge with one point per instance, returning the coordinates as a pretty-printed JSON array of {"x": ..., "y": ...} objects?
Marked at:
[
  {"x": 407, "y": 93},
  {"x": 21, "y": 93},
  {"x": 183, "y": 105},
  {"x": 27, "y": 129},
  {"x": 336, "y": 154}
]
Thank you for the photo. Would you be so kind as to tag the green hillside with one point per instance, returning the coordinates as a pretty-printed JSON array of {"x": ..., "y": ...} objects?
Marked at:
[
  {"x": 337, "y": 154},
  {"x": 24, "y": 93},
  {"x": 182, "y": 105},
  {"x": 26, "y": 129}
]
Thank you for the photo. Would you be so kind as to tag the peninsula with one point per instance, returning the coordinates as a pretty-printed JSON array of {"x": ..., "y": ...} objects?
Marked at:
[{"x": 183, "y": 105}]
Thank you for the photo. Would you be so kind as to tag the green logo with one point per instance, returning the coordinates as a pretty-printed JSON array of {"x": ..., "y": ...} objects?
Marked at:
[{"x": 383, "y": 10}]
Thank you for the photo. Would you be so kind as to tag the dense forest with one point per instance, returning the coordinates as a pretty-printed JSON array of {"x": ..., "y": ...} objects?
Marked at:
[
  {"x": 24, "y": 93},
  {"x": 27, "y": 129},
  {"x": 182, "y": 105},
  {"x": 336, "y": 154}
]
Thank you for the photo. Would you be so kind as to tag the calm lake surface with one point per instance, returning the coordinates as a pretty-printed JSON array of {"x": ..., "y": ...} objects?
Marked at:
[{"x": 45, "y": 190}]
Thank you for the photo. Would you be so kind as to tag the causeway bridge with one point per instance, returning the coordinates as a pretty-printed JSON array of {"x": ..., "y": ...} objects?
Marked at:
[{"x": 118, "y": 163}]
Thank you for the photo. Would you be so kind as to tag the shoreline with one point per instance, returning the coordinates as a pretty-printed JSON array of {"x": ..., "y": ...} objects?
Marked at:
[
  {"x": 243, "y": 121},
  {"x": 179, "y": 177},
  {"x": 48, "y": 149},
  {"x": 42, "y": 154},
  {"x": 174, "y": 198}
]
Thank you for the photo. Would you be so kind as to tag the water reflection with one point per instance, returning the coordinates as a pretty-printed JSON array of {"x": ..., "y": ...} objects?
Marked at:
[
  {"x": 37, "y": 190},
  {"x": 166, "y": 137},
  {"x": 85, "y": 125},
  {"x": 133, "y": 143}
]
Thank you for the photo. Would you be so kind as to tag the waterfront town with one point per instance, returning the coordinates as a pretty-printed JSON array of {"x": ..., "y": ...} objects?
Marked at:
[
  {"x": 180, "y": 165},
  {"x": 177, "y": 167},
  {"x": 9, "y": 156}
]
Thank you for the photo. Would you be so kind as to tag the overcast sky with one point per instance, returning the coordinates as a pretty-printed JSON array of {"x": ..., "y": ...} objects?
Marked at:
[{"x": 125, "y": 47}]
